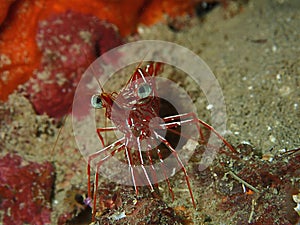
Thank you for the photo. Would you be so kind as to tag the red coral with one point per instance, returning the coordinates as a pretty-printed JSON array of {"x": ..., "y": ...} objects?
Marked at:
[
  {"x": 69, "y": 42},
  {"x": 18, "y": 48},
  {"x": 25, "y": 189}
]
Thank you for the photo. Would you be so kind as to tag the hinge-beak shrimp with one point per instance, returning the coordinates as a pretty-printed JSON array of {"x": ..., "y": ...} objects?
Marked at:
[{"x": 134, "y": 111}]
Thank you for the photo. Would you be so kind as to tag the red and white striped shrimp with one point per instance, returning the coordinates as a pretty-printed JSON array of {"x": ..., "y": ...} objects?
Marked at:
[{"x": 134, "y": 111}]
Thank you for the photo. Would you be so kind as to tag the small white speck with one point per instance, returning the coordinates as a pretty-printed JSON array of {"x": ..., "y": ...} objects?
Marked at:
[
  {"x": 244, "y": 188},
  {"x": 272, "y": 138},
  {"x": 244, "y": 78},
  {"x": 269, "y": 128},
  {"x": 85, "y": 36},
  {"x": 4, "y": 60},
  {"x": 4, "y": 76},
  {"x": 246, "y": 143},
  {"x": 140, "y": 30},
  {"x": 236, "y": 133},
  {"x": 278, "y": 76},
  {"x": 118, "y": 216},
  {"x": 282, "y": 150},
  {"x": 173, "y": 172},
  {"x": 9, "y": 211},
  {"x": 209, "y": 106},
  {"x": 63, "y": 58},
  {"x": 250, "y": 88},
  {"x": 274, "y": 48},
  {"x": 295, "y": 106},
  {"x": 296, "y": 199}
]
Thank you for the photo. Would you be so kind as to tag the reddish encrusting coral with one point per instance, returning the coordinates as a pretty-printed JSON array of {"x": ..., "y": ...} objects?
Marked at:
[
  {"x": 20, "y": 55},
  {"x": 4, "y": 7},
  {"x": 25, "y": 190},
  {"x": 69, "y": 42}
]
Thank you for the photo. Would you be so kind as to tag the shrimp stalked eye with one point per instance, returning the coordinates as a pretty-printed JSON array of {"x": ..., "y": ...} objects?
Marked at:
[
  {"x": 96, "y": 102},
  {"x": 144, "y": 90}
]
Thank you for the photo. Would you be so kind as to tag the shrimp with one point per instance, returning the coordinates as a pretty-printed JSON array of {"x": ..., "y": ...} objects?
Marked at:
[{"x": 134, "y": 111}]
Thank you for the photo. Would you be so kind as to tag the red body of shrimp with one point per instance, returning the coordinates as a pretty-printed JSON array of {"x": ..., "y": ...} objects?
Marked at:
[{"x": 135, "y": 112}]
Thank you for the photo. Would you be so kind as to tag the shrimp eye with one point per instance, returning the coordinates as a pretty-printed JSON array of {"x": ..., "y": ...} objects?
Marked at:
[
  {"x": 96, "y": 102},
  {"x": 144, "y": 90}
]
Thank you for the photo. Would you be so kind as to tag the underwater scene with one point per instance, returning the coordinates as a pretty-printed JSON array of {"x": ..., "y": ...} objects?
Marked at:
[{"x": 150, "y": 112}]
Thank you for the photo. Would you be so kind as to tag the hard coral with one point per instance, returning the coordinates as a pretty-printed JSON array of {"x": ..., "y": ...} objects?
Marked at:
[
  {"x": 25, "y": 190},
  {"x": 69, "y": 42}
]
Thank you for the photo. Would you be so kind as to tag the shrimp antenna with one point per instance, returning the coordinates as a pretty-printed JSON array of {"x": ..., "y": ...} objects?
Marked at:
[
  {"x": 139, "y": 65},
  {"x": 64, "y": 119},
  {"x": 94, "y": 72},
  {"x": 98, "y": 81}
]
